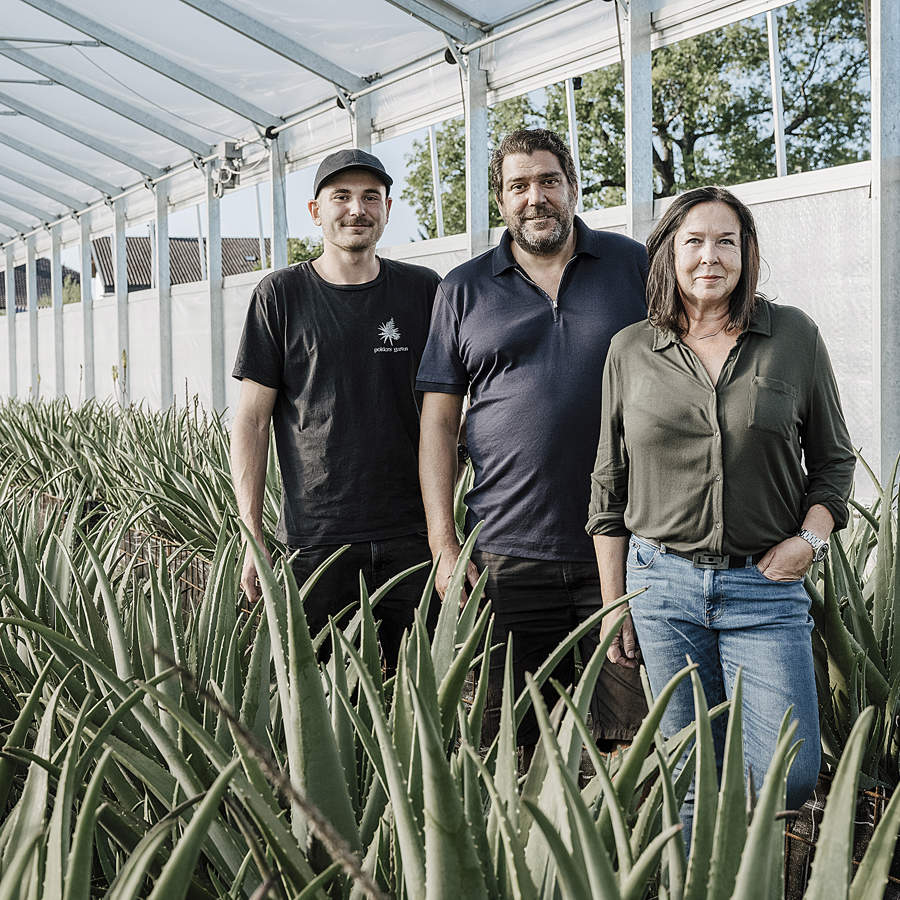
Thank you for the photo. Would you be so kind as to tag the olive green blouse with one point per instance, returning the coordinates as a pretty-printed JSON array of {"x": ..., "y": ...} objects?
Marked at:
[{"x": 731, "y": 467}]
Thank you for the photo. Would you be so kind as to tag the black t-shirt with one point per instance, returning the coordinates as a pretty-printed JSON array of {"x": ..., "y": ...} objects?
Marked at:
[{"x": 343, "y": 358}]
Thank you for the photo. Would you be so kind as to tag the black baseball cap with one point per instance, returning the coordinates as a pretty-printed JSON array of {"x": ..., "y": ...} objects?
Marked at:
[{"x": 353, "y": 158}]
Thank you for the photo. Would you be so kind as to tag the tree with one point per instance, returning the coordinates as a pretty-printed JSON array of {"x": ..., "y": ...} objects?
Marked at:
[
  {"x": 712, "y": 115},
  {"x": 506, "y": 116},
  {"x": 302, "y": 249}
]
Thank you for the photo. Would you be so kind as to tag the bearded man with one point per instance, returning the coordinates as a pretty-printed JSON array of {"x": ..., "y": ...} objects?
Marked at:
[{"x": 524, "y": 330}]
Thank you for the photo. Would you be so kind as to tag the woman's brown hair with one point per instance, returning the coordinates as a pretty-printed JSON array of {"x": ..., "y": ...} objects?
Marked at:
[{"x": 664, "y": 305}]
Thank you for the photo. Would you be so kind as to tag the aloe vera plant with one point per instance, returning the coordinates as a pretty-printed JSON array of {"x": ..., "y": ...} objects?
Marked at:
[
  {"x": 856, "y": 608},
  {"x": 155, "y": 748}
]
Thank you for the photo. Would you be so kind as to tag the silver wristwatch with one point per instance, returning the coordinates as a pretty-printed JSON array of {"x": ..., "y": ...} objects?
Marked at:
[{"x": 820, "y": 547}]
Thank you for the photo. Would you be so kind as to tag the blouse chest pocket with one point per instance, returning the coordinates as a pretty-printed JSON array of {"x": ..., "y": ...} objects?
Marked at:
[{"x": 773, "y": 406}]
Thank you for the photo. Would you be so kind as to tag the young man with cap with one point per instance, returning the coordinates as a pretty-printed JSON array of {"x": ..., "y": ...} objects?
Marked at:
[
  {"x": 524, "y": 330},
  {"x": 329, "y": 353}
]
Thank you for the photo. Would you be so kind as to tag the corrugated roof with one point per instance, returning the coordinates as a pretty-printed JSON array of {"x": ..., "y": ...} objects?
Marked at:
[
  {"x": 238, "y": 255},
  {"x": 42, "y": 270}
]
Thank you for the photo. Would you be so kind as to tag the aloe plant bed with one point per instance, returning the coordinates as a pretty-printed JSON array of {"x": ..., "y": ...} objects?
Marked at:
[{"x": 153, "y": 747}]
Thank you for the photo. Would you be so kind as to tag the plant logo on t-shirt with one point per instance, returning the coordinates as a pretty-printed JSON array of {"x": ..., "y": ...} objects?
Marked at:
[{"x": 389, "y": 333}]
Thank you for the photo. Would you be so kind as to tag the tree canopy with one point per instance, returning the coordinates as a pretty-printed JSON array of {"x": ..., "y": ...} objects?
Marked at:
[{"x": 712, "y": 113}]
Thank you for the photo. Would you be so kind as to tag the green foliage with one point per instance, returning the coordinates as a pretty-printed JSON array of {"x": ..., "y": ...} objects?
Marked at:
[
  {"x": 856, "y": 608},
  {"x": 712, "y": 113},
  {"x": 71, "y": 290},
  {"x": 157, "y": 748},
  {"x": 302, "y": 249}
]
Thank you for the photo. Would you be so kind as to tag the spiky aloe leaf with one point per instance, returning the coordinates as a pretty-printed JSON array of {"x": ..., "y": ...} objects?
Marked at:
[
  {"x": 731, "y": 821},
  {"x": 313, "y": 761},
  {"x": 60, "y": 820},
  {"x": 443, "y": 644},
  {"x": 831, "y": 868},
  {"x": 572, "y": 877},
  {"x": 410, "y": 839},
  {"x": 589, "y": 848},
  {"x": 78, "y": 867},
  {"x": 14, "y": 874},
  {"x": 450, "y": 688},
  {"x": 521, "y": 886},
  {"x": 452, "y": 867},
  {"x": 19, "y": 731},
  {"x": 871, "y": 877},
  {"x": 175, "y": 878},
  {"x": 705, "y": 798},
  {"x": 754, "y": 876}
]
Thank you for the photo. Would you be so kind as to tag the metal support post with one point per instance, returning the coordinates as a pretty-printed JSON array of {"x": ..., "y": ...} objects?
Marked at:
[
  {"x": 120, "y": 270},
  {"x": 278, "y": 249},
  {"x": 259, "y": 226},
  {"x": 777, "y": 101},
  {"x": 59, "y": 339},
  {"x": 361, "y": 122},
  {"x": 87, "y": 306},
  {"x": 200, "y": 251},
  {"x": 164, "y": 294},
  {"x": 476, "y": 129},
  {"x": 216, "y": 307},
  {"x": 436, "y": 182},
  {"x": 573, "y": 137},
  {"x": 638, "y": 121},
  {"x": 885, "y": 61},
  {"x": 31, "y": 298},
  {"x": 10, "y": 284}
]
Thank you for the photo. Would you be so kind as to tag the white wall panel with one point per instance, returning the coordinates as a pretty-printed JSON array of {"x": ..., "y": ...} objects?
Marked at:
[
  {"x": 46, "y": 354},
  {"x": 190, "y": 343},
  {"x": 73, "y": 332},
  {"x": 23, "y": 358},
  {"x": 4, "y": 362},
  {"x": 105, "y": 348},
  {"x": 237, "y": 291},
  {"x": 143, "y": 311}
]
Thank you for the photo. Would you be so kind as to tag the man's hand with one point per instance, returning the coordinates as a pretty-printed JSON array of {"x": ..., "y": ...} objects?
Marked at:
[
  {"x": 786, "y": 561},
  {"x": 446, "y": 565},
  {"x": 249, "y": 577},
  {"x": 623, "y": 650}
]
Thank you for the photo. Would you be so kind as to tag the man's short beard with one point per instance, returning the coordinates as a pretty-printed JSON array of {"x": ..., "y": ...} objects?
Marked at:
[{"x": 547, "y": 243}]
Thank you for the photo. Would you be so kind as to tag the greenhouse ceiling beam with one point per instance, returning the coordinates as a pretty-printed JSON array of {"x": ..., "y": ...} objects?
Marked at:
[
  {"x": 444, "y": 17},
  {"x": 278, "y": 43},
  {"x": 45, "y": 215},
  {"x": 54, "y": 162},
  {"x": 153, "y": 60},
  {"x": 39, "y": 188},
  {"x": 135, "y": 113},
  {"x": 17, "y": 227},
  {"x": 147, "y": 169}
]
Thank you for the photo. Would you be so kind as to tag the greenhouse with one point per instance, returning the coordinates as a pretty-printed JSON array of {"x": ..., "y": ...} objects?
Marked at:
[{"x": 181, "y": 712}]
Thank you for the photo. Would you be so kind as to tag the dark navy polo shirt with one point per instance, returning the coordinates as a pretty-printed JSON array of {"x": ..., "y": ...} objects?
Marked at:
[{"x": 533, "y": 373}]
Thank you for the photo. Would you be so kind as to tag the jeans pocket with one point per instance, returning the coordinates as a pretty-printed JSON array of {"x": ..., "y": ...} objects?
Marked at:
[
  {"x": 641, "y": 555},
  {"x": 773, "y": 580}
]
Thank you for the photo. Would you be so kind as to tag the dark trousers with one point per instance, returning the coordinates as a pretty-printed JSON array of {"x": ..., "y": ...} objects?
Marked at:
[
  {"x": 539, "y": 602},
  {"x": 378, "y": 561}
]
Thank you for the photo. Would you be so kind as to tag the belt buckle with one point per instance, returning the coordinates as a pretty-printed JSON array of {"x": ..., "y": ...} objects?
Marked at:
[{"x": 703, "y": 560}]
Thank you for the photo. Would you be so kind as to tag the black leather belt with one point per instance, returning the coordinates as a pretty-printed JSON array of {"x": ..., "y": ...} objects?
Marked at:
[{"x": 704, "y": 559}]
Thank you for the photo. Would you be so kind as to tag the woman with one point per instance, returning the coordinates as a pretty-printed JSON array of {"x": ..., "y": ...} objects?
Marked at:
[{"x": 723, "y": 466}]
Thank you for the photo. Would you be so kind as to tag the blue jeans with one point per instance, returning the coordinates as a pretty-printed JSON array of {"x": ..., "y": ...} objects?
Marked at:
[{"x": 725, "y": 619}]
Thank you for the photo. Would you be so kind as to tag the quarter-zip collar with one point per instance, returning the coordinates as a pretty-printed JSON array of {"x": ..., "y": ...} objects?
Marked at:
[{"x": 586, "y": 241}]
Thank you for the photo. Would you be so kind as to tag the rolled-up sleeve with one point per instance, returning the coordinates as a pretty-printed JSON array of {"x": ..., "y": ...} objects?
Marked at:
[
  {"x": 609, "y": 480},
  {"x": 827, "y": 450}
]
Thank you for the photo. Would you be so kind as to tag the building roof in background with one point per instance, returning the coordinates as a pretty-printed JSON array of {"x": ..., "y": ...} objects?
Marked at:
[
  {"x": 42, "y": 269},
  {"x": 238, "y": 255}
]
